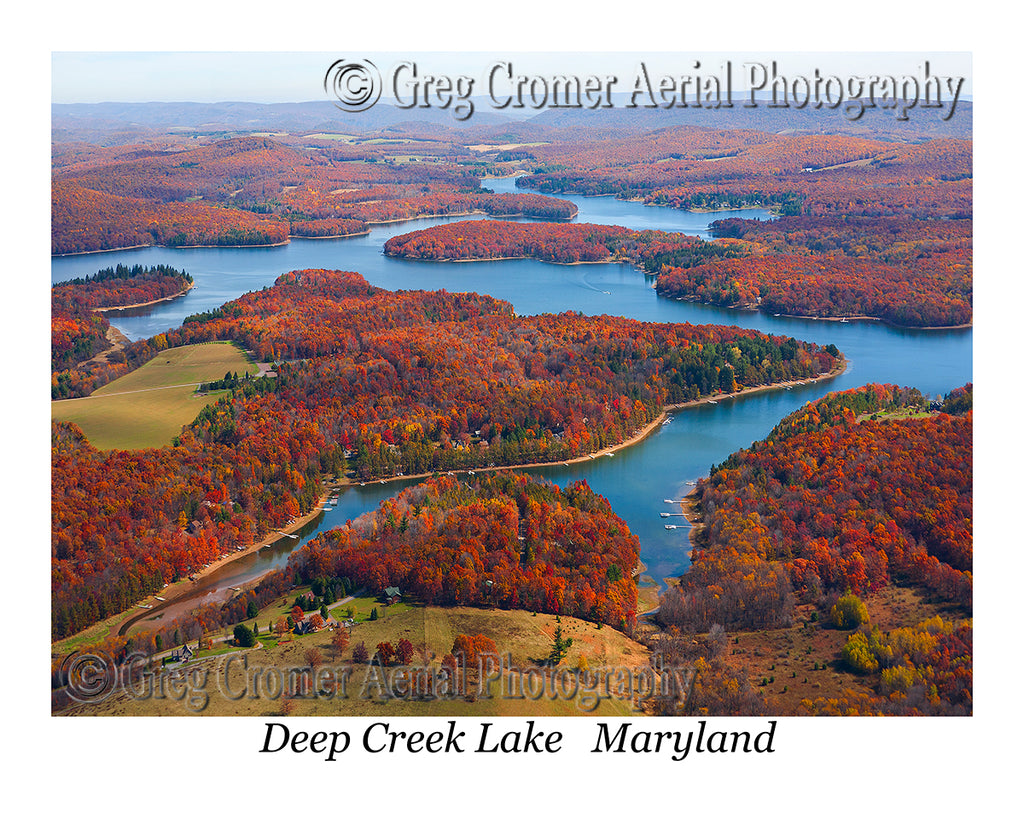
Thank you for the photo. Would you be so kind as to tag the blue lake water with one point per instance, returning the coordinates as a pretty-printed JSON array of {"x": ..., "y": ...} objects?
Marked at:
[{"x": 636, "y": 480}]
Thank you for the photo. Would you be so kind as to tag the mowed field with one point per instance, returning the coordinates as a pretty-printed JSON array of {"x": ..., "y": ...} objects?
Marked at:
[{"x": 148, "y": 407}]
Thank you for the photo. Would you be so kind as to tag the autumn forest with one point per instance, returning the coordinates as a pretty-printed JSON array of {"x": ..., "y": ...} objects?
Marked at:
[{"x": 857, "y": 497}]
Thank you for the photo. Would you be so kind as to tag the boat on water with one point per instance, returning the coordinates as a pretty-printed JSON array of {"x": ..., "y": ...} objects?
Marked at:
[
  {"x": 691, "y": 483},
  {"x": 671, "y": 526}
]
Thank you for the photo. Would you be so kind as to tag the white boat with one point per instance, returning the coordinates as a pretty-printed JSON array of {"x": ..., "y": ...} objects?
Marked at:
[{"x": 671, "y": 526}]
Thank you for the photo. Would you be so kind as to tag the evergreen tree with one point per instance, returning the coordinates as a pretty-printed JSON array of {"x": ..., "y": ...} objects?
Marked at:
[
  {"x": 244, "y": 636},
  {"x": 561, "y": 644}
]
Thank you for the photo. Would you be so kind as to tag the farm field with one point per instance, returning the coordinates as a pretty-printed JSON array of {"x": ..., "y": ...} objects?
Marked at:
[{"x": 149, "y": 406}]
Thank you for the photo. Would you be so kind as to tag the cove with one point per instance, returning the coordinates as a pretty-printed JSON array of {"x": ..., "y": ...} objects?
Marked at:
[{"x": 638, "y": 479}]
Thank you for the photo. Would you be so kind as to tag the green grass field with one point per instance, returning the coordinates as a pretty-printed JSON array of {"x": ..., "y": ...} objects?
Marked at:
[{"x": 149, "y": 406}]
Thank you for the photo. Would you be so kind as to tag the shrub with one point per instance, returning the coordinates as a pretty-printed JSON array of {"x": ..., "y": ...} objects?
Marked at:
[
  {"x": 857, "y": 655},
  {"x": 848, "y": 613}
]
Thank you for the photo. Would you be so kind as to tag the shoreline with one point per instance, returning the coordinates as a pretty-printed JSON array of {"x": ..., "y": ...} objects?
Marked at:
[
  {"x": 339, "y": 236},
  {"x": 332, "y": 236},
  {"x": 496, "y": 216},
  {"x": 846, "y": 319},
  {"x": 171, "y": 247},
  {"x": 688, "y": 502},
  {"x": 639, "y": 199},
  {"x": 837, "y": 319},
  {"x": 181, "y": 589},
  {"x": 179, "y": 294},
  {"x": 102, "y": 250},
  {"x": 636, "y": 438},
  {"x": 688, "y": 506},
  {"x": 174, "y": 592},
  {"x": 609, "y": 260},
  {"x": 268, "y": 539}
]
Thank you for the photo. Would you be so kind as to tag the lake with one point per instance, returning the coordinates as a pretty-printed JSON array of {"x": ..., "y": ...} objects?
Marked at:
[{"x": 636, "y": 480}]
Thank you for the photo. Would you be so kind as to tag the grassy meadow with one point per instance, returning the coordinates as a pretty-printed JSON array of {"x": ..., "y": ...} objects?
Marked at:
[
  {"x": 149, "y": 406},
  {"x": 527, "y": 637}
]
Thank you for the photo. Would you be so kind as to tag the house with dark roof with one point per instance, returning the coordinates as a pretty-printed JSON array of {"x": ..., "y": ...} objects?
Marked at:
[{"x": 182, "y": 655}]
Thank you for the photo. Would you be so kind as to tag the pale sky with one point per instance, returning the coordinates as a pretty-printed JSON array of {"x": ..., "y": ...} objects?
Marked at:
[{"x": 298, "y": 76}]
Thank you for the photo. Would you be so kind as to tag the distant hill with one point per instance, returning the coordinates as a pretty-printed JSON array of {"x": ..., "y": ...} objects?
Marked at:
[
  {"x": 122, "y": 123},
  {"x": 105, "y": 120},
  {"x": 921, "y": 124}
]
